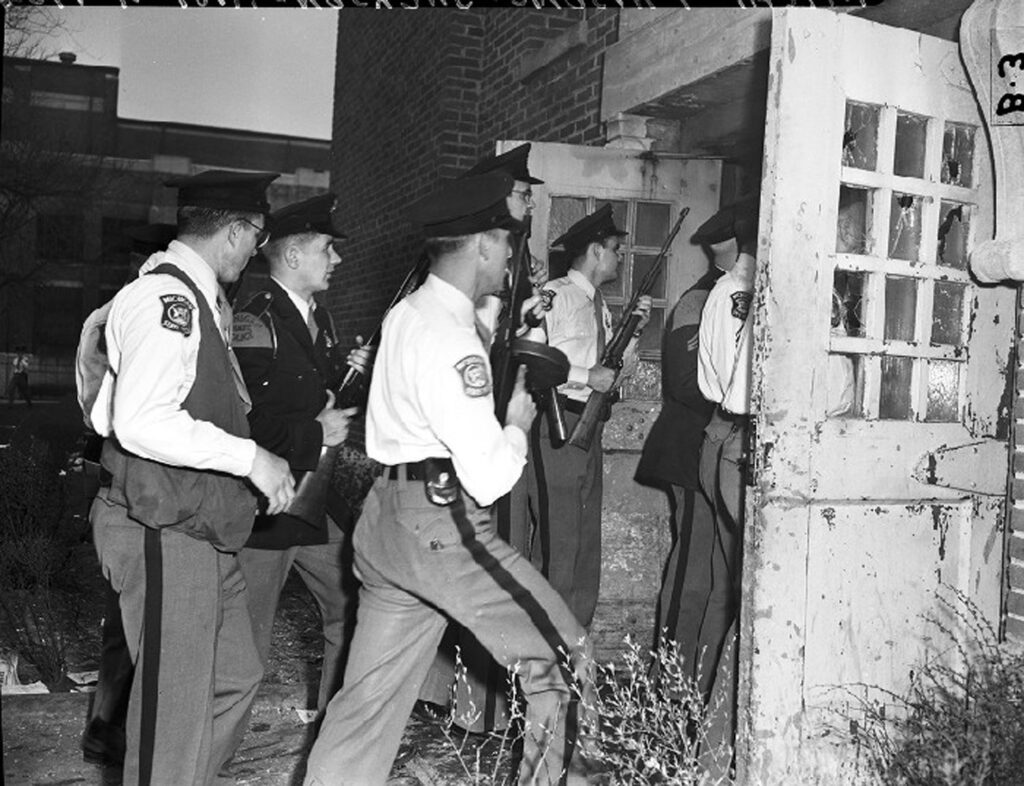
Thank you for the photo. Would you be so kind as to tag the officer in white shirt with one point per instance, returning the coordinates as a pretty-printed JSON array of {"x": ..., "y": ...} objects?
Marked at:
[
  {"x": 723, "y": 374},
  {"x": 569, "y": 487},
  {"x": 425, "y": 546},
  {"x": 179, "y": 503}
]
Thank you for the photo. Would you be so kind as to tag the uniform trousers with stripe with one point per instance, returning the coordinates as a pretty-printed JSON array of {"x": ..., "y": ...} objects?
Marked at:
[
  {"x": 566, "y": 489},
  {"x": 420, "y": 564},
  {"x": 327, "y": 574},
  {"x": 186, "y": 621},
  {"x": 722, "y": 478}
]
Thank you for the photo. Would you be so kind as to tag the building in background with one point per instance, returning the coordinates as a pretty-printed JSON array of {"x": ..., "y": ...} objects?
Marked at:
[{"x": 75, "y": 177}]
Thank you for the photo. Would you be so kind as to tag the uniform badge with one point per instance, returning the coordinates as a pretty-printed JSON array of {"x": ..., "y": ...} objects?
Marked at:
[
  {"x": 741, "y": 305},
  {"x": 177, "y": 314},
  {"x": 476, "y": 381}
]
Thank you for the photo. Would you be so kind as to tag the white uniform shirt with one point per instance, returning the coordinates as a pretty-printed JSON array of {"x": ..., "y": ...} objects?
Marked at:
[
  {"x": 152, "y": 369},
  {"x": 431, "y": 394},
  {"x": 573, "y": 329},
  {"x": 723, "y": 360}
]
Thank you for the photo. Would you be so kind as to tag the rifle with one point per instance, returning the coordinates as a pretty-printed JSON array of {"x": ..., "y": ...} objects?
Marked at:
[
  {"x": 546, "y": 367},
  {"x": 598, "y": 404},
  {"x": 314, "y": 487}
]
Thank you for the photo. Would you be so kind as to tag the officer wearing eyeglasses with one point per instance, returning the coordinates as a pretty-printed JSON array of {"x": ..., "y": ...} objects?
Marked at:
[{"x": 179, "y": 504}]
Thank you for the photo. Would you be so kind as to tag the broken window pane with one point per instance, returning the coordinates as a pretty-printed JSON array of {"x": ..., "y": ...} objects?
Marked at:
[
  {"x": 900, "y": 308},
  {"x": 905, "y": 227},
  {"x": 860, "y": 136},
  {"x": 641, "y": 267},
  {"x": 954, "y": 223},
  {"x": 948, "y": 313},
  {"x": 908, "y": 160},
  {"x": 958, "y": 155},
  {"x": 853, "y": 228},
  {"x": 894, "y": 396},
  {"x": 943, "y": 391},
  {"x": 843, "y": 388},
  {"x": 651, "y": 224},
  {"x": 848, "y": 290}
]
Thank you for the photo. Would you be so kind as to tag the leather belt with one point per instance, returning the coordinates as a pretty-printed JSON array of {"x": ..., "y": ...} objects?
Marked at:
[
  {"x": 414, "y": 470},
  {"x": 731, "y": 417}
]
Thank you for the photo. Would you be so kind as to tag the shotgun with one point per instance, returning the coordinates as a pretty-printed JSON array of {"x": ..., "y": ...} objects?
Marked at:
[{"x": 598, "y": 405}]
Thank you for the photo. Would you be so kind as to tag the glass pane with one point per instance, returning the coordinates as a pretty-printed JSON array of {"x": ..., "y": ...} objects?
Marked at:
[
  {"x": 958, "y": 155},
  {"x": 843, "y": 393},
  {"x": 954, "y": 223},
  {"x": 848, "y": 290},
  {"x": 943, "y": 391},
  {"x": 650, "y": 339},
  {"x": 948, "y": 313},
  {"x": 894, "y": 397},
  {"x": 905, "y": 227},
  {"x": 853, "y": 229},
  {"x": 642, "y": 266},
  {"x": 860, "y": 136},
  {"x": 900, "y": 308},
  {"x": 565, "y": 211},
  {"x": 651, "y": 224},
  {"x": 908, "y": 160}
]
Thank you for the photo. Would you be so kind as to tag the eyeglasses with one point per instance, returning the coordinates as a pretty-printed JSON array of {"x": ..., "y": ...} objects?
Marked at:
[
  {"x": 525, "y": 194},
  {"x": 262, "y": 235}
]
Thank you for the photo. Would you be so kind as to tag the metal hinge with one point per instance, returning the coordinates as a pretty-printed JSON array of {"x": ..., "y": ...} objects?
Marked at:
[{"x": 978, "y": 467}]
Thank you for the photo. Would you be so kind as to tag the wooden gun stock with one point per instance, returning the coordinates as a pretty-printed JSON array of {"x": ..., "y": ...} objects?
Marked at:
[{"x": 599, "y": 404}]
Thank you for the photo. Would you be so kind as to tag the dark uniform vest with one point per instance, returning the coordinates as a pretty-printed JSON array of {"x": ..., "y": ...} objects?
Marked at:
[{"x": 208, "y": 505}]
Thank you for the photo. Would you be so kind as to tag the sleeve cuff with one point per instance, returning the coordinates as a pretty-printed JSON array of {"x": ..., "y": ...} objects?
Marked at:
[{"x": 579, "y": 376}]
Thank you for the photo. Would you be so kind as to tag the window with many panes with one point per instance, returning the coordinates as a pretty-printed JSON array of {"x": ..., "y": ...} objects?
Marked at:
[
  {"x": 648, "y": 224},
  {"x": 901, "y": 290}
]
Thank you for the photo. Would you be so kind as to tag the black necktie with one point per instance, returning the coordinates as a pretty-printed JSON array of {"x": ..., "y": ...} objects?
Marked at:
[{"x": 599, "y": 317}]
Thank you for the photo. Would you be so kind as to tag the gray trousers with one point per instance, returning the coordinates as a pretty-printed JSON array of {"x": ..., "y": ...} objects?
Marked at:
[
  {"x": 328, "y": 578},
  {"x": 419, "y": 563},
  {"x": 191, "y": 693},
  {"x": 722, "y": 478}
]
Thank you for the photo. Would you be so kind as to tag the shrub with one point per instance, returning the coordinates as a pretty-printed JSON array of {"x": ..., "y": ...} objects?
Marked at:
[
  {"x": 961, "y": 721},
  {"x": 39, "y": 583}
]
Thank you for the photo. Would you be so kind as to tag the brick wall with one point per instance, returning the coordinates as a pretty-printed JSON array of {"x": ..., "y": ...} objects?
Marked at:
[{"x": 420, "y": 97}]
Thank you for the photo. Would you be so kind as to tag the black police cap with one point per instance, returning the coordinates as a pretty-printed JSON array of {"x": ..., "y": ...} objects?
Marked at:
[
  {"x": 466, "y": 206},
  {"x": 219, "y": 189},
  {"x": 590, "y": 229},
  {"x": 736, "y": 220},
  {"x": 512, "y": 162},
  {"x": 309, "y": 215}
]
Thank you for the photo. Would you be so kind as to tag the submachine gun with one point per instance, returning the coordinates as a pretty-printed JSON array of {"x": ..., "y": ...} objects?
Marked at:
[
  {"x": 546, "y": 367},
  {"x": 598, "y": 404},
  {"x": 310, "y": 502}
]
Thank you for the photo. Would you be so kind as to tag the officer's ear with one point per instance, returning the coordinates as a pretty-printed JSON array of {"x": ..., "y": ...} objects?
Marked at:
[{"x": 292, "y": 257}]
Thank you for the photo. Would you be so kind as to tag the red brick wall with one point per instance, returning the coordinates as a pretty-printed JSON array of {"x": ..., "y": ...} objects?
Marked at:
[{"x": 421, "y": 96}]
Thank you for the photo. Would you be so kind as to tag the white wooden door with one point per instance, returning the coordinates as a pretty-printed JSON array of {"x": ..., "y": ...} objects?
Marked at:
[{"x": 876, "y": 186}]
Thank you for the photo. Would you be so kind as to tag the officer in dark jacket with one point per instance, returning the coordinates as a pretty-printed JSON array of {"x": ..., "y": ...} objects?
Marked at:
[
  {"x": 288, "y": 352},
  {"x": 671, "y": 461}
]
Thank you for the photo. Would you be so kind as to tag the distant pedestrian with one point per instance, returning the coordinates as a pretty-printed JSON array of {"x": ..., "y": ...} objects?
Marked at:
[{"x": 19, "y": 377}]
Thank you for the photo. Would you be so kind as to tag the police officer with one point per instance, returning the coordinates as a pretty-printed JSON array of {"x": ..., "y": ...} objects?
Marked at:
[
  {"x": 570, "y": 478},
  {"x": 671, "y": 461},
  {"x": 287, "y": 348},
  {"x": 179, "y": 504},
  {"x": 723, "y": 374},
  {"x": 481, "y": 693},
  {"x": 425, "y": 546}
]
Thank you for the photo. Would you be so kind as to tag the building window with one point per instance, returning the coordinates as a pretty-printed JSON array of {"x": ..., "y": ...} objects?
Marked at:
[
  {"x": 57, "y": 317},
  {"x": 648, "y": 224},
  {"x": 59, "y": 237},
  {"x": 70, "y": 101}
]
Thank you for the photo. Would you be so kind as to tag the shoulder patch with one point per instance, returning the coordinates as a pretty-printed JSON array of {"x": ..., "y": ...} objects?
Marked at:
[
  {"x": 741, "y": 304},
  {"x": 476, "y": 382},
  {"x": 248, "y": 331},
  {"x": 177, "y": 313}
]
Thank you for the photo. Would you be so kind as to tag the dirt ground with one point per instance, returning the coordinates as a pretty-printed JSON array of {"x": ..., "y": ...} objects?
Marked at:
[{"x": 41, "y": 732}]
